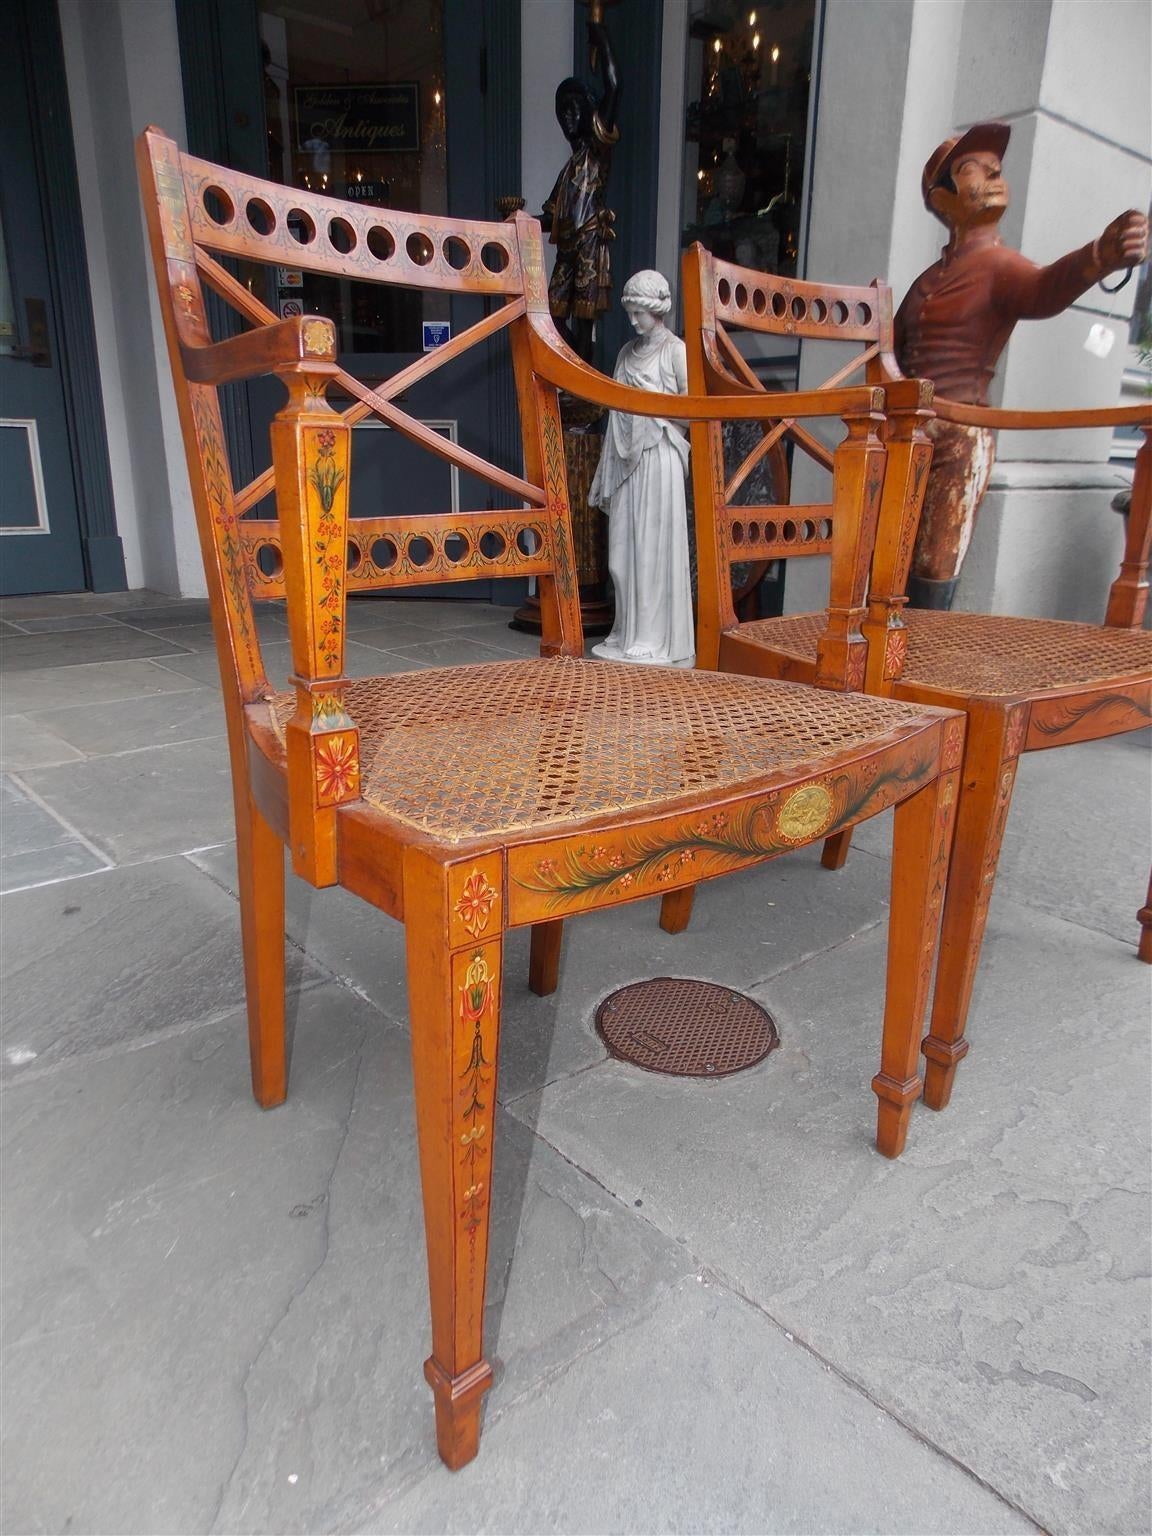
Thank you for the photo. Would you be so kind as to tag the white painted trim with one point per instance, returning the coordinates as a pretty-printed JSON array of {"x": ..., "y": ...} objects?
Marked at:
[{"x": 29, "y": 425}]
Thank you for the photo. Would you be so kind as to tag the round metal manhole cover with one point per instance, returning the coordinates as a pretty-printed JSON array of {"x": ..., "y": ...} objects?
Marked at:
[{"x": 684, "y": 1027}]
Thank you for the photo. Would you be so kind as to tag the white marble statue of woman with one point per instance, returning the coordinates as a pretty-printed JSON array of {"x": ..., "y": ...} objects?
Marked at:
[{"x": 639, "y": 482}]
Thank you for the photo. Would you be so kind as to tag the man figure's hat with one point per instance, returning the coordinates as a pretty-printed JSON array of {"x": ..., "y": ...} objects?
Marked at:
[{"x": 989, "y": 136}]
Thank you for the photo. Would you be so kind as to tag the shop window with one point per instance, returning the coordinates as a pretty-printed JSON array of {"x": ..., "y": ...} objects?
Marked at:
[
  {"x": 748, "y": 89},
  {"x": 355, "y": 107}
]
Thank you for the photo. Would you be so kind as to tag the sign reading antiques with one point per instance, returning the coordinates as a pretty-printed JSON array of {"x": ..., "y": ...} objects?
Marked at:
[{"x": 364, "y": 119}]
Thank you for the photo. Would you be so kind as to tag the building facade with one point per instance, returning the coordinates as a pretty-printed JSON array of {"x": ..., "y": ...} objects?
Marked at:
[{"x": 831, "y": 133}]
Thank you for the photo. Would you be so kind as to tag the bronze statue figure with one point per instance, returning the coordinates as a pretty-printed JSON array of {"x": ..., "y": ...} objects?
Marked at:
[
  {"x": 576, "y": 214},
  {"x": 956, "y": 320}
]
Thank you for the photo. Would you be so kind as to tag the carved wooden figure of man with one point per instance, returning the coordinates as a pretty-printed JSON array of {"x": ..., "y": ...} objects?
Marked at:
[
  {"x": 956, "y": 320},
  {"x": 576, "y": 214}
]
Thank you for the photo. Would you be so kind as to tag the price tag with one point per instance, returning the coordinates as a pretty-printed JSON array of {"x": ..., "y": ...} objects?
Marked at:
[{"x": 1100, "y": 340}]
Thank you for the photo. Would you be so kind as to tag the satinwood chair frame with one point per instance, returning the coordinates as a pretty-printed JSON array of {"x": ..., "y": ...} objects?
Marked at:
[
  {"x": 1025, "y": 684},
  {"x": 465, "y": 801}
]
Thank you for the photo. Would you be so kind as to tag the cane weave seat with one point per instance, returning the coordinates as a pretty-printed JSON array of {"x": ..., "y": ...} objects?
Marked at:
[
  {"x": 984, "y": 654},
  {"x": 525, "y": 744}
]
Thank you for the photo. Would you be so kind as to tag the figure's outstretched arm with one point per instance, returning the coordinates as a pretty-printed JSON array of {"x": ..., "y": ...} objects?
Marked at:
[
  {"x": 602, "y": 50},
  {"x": 1037, "y": 293}
]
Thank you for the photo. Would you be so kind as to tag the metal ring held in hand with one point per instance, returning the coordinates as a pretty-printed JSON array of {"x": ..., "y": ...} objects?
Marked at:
[{"x": 1118, "y": 286}]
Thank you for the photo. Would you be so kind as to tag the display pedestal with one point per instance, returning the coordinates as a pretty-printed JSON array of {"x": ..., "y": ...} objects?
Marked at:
[{"x": 582, "y": 444}]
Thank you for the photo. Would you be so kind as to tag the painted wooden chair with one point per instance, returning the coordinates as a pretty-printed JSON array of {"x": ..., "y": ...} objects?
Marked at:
[
  {"x": 1025, "y": 684},
  {"x": 464, "y": 801}
]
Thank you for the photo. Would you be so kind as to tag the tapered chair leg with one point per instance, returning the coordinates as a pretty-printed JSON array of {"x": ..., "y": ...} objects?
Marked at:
[
  {"x": 454, "y": 1007},
  {"x": 544, "y": 957},
  {"x": 835, "y": 854},
  {"x": 986, "y": 785},
  {"x": 260, "y": 869},
  {"x": 921, "y": 842},
  {"x": 676, "y": 909},
  {"x": 1145, "y": 918}
]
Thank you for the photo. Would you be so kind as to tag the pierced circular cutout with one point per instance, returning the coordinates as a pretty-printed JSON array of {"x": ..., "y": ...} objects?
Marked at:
[
  {"x": 779, "y": 305},
  {"x": 799, "y": 308},
  {"x": 863, "y": 314},
  {"x": 789, "y": 532},
  {"x": 759, "y": 300},
  {"x": 218, "y": 205},
  {"x": 301, "y": 226},
  {"x": 457, "y": 546},
  {"x": 807, "y": 531},
  {"x": 420, "y": 551},
  {"x": 818, "y": 311},
  {"x": 492, "y": 544},
  {"x": 528, "y": 541},
  {"x": 341, "y": 236},
  {"x": 260, "y": 216},
  {"x": 825, "y": 527},
  {"x": 769, "y": 533},
  {"x": 353, "y": 555},
  {"x": 419, "y": 248},
  {"x": 269, "y": 560},
  {"x": 737, "y": 533},
  {"x": 457, "y": 253},
  {"x": 839, "y": 313},
  {"x": 380, "y": 243},
  {"x": 741, "y": 296},
  {"x": 383, "y": 553},
  {"x": 494, "y": 256},
  {"x": 753, "y": 533},
  {"x": 724, "y": 291}
]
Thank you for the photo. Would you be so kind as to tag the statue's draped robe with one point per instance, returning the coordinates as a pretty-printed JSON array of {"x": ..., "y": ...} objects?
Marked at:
[{"x": 639, "y": 482}]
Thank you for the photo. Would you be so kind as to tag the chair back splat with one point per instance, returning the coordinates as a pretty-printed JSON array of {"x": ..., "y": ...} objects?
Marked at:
[
  {"x": 465, "y": 801},
  {"x": 865, "y": 534}
]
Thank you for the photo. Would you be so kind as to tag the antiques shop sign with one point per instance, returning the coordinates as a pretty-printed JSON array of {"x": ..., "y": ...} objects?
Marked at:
[{"x": 364, "y": 119}]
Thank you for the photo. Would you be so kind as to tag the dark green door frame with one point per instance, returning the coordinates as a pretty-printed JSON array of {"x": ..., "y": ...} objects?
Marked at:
[{"x": 54, "y": 165}]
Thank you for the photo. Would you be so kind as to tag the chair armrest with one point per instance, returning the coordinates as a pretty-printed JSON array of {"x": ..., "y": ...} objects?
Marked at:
[
  {"x": 555, "y": 362},
  {"x": 287, "y": 345},
  {"x": 1041, "y": 421}
]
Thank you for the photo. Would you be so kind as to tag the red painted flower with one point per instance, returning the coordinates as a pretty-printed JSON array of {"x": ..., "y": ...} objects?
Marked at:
[
  {"x": 476, "y": 903},
  {"x": 336, "y": 767}
]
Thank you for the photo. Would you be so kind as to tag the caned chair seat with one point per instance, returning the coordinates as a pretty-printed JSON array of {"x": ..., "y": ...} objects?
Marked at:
[
  {"x": 542, "y": 746},
  {"x": 980, "y": 654}
]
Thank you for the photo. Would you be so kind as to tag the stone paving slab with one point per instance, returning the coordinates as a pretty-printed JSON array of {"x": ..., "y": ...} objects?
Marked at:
[
  {"x": 702, "y": 1417},
  {"x": 337, "y": 1400},
  {"x": 145, "y": 804},
  {"x": 36, "y": 845},
  {"x": 990, "y": 1287},
  {"x": 159, "y": 1227},
  {"x": 27, "y": 742},
  {"x": 62, "y": 622},
  {"x": 24, "y": 693},
  {"x": 59, "y": 604},
  {"x": 69, "y": 648},
  {"x": 450, "y": 650},
  {"x": 108, "y": 961},
  {"x": 93, "y": 730}
]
